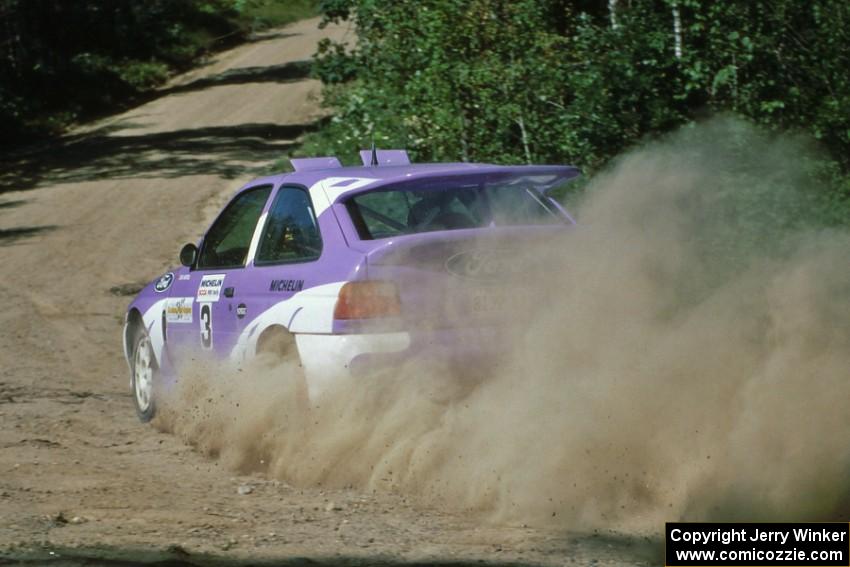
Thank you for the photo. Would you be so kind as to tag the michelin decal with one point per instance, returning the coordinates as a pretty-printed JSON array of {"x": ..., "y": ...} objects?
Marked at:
[{"x": 210, "y": 288}]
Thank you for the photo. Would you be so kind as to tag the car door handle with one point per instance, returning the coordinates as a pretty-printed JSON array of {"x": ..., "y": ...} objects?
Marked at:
[{"x": 228, "y": 292}]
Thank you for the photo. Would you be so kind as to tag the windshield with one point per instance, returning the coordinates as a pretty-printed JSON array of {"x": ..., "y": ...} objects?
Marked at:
[{"x": 393, "y": 212}]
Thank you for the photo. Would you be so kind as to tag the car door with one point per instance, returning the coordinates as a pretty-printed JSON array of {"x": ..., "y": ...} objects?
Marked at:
[
  {"x": 206, "y": 290},
  {"x": 288, "y": 246}
]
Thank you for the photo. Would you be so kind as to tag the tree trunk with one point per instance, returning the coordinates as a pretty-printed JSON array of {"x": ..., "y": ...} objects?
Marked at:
[
  {"x": 677, "y": 30},
  {"x": 521, "y": 123},
  {"x": 612, "y": 12}
]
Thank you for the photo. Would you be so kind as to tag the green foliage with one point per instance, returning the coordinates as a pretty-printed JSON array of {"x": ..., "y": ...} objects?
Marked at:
[
  {"x": 450, "y": 79},
  {"x": 568, "y": 81}
]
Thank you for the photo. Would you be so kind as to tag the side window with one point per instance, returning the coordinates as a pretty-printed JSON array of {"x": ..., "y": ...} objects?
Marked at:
[
  {"x": 291, "y": 233},
  {"x": 229, "y": 238}
]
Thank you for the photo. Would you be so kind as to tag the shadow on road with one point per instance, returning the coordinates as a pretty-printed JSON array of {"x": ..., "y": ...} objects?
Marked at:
[
  {"x": 286, "y": 73},
  {"x": 226, "y": 151},
  {"x": 613, "y": 549},
  {"x": 11, "y": 235}
]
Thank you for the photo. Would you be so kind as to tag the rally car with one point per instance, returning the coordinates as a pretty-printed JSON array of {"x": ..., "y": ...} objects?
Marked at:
[{"x": 348, "y": 268}]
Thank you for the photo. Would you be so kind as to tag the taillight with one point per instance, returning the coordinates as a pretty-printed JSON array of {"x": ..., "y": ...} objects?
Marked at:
[{"x": 367, "y": 300}]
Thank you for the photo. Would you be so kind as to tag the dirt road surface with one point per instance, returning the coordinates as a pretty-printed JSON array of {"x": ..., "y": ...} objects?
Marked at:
[{"x": 83, "y": 224}]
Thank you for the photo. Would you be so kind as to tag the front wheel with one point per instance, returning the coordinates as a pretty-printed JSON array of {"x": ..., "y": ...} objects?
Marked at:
[{"x": 144, "y": 377}]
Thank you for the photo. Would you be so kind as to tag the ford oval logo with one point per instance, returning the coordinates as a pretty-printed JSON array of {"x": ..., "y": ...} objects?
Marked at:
[
  {"x": 163, "y": 283},
  {"x": 481, "y": 265}
]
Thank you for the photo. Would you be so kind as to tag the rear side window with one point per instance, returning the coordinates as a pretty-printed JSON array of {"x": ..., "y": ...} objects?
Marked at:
[
  {"x": 229, "y": 238},
  {"x": 291, "y": 233},
  {"x": 387, "y": 213}
]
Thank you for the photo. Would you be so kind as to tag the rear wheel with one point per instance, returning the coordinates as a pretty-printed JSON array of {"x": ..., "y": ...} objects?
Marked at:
[
  {"x": 276, "y": 347},
  {"x": 144, "y": 375}
]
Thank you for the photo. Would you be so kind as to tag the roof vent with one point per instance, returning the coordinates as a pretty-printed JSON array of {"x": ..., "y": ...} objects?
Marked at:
[
  {"x": 313, "y": 163},
  {"x": 385, "y": 157}
]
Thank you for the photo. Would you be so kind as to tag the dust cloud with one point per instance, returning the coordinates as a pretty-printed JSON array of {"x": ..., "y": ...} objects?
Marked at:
[{"x": 689, "y": 359}]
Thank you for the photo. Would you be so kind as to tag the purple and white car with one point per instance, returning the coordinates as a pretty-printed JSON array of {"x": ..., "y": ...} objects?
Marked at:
[{"x": 350, "y": 268}]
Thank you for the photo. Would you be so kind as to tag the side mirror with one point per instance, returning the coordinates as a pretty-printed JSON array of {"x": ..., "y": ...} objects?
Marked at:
[{"x": 188, "y": 255}]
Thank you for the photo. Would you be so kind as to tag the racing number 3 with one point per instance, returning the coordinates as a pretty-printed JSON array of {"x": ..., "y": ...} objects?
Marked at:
[{"x": 206, "y": 325}]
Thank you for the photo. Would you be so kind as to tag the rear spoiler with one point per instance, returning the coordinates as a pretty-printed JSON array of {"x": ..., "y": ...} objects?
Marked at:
[
  {"x": 375, "y": 157},
  {"x": 556, "y": 176}
]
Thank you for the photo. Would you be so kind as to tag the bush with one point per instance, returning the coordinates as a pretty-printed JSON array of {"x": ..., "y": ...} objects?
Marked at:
[{"x": 579, "y": 82}]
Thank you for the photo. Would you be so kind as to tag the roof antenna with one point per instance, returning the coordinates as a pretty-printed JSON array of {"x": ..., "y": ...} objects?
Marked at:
[{"x": 374, "y": 162}]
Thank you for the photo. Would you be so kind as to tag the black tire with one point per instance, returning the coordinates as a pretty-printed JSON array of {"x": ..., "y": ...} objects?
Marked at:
[{"x": 144, "y": 376}]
